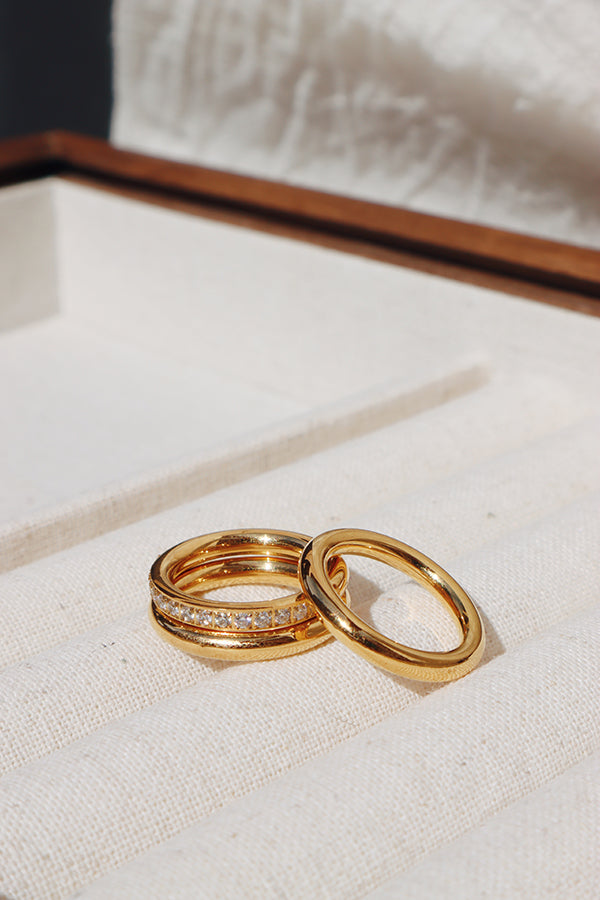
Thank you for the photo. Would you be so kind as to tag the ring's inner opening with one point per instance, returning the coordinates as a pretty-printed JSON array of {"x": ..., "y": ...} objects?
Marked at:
[
  {"x": 247, "y": 576},
  {"x": 242, "y": 593},
  {"x": 394, "y": 604},
  {"x": 252, "y": 558}
]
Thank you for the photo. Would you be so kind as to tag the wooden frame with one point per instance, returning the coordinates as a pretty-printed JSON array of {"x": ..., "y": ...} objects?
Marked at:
[{"x": 553, "y": 272}]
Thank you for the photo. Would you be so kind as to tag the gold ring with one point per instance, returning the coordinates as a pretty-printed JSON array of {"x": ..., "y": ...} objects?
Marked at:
[
  {"x": 248, "y": 630},
  {"x": 349, "y": 628}
]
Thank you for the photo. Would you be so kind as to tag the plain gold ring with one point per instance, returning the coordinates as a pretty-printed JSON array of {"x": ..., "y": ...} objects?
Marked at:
[{"x": 351, "y": 630}]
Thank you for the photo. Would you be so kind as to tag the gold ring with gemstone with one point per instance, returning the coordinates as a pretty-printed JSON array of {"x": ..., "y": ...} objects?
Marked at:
[
  {"x": 364, "y": 640},
  {"x": 183, "y": 614}
]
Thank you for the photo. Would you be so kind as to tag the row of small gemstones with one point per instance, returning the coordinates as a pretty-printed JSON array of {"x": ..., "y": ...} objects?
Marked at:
[{"x": 244, "y": 620}]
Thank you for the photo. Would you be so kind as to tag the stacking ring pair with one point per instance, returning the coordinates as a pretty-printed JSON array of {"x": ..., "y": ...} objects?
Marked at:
[{"x": 318, "y": 608}]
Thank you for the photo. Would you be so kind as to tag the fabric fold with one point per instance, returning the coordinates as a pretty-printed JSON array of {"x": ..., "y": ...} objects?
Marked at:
[
  {"x": 160, "y": 769},
  {"x": 100, "y": 580},
  {"x": 119, "y": 668},
  {"x": 545, "y": 845},
  {"x": 345, "y": 822}
]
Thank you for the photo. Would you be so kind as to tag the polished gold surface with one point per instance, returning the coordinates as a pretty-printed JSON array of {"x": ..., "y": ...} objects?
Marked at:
[
  {"x": 422, "y": 665},
  {"x": 252, "y": 629}
]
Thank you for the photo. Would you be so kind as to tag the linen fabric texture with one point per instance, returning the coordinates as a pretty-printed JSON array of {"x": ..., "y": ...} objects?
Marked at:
[
  {"x": 563, "y": 813},
  {"x": 129, "y": 769},
  {"x": 156, "y": 743}
]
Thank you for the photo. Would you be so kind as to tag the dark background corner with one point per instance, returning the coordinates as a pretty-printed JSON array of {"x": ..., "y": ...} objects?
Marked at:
[{"x": 55, "y": 66}]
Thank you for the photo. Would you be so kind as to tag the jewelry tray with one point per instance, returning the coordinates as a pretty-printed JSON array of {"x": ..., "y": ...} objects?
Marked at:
[{"x": 184, "y": 352}]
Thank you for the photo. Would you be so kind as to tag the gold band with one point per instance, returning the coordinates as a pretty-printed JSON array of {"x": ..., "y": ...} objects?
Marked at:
[
  {"x": 356, "y": 634},
  {"x": 242, "y": 631}
]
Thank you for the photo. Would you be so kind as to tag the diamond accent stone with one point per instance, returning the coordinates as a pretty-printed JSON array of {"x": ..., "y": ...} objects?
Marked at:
[
  {"x": 243, "y": 620},
  {"x": 203, "y": 617},
  {"x": 282, "y": 616},
  {"x": 262, "y": 618},
  {"x": 300, "y": 612},
  {"x": 222, "y": 619}
]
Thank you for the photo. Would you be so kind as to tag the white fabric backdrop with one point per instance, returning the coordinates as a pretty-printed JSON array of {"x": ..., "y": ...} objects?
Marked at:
[{"x": 486, "y": 111}]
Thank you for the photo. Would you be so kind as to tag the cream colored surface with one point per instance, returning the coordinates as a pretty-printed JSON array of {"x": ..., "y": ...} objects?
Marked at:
[
  {"x": 28, "y": 255},
  {"x": 81, "y": 590},
  {"x": 482, "y": 111},
  {"x": 459, "y": 420},
  {"x": 401, "y": 788},
  {"x": 116, "y": 348},
  {"x": 92, "y": 662},
  {"x": 564, "y": 813}
]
